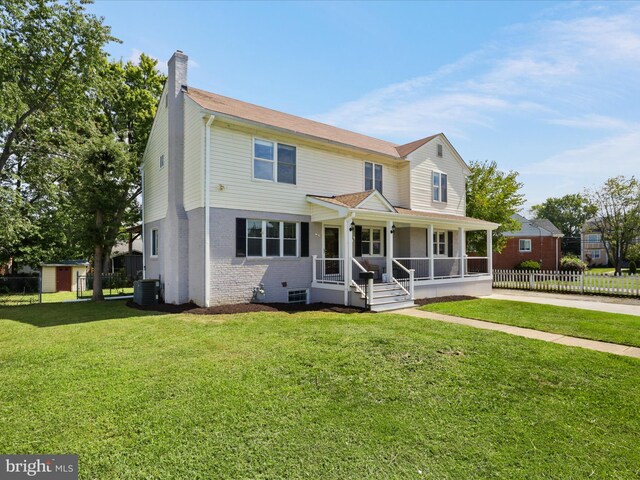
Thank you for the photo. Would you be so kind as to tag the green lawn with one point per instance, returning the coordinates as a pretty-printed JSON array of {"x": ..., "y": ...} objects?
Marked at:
[
  {"x": 608, "y": 327},
  {"x": 13, "y": 299},
  {"x": 308, "y": 395}
]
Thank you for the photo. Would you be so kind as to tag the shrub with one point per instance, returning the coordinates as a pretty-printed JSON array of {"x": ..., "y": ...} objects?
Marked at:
[
  {"x": 571, "y": 263},
  {"x": 528, "y": 265},
  {"x": 633, "y": 269}
]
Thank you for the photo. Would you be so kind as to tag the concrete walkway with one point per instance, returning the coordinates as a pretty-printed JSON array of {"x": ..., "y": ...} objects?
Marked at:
[
  {"x": 628, "y": 306},
  {"x": 528, "y": 333}
]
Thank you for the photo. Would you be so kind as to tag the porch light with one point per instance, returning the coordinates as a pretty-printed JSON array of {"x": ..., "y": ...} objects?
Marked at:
[
  {"x": 393, "y": 228},
  {"x": 352, "y": 226}
]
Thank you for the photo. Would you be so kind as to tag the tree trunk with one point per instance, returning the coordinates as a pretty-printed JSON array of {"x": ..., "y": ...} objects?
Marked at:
[{"x": 97, "y": 263}]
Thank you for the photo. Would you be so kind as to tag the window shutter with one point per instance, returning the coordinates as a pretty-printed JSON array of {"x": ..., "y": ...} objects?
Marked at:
[
  {"x": 450, "y": 243},
  {"x": 426, "y": 246},
  {"x": 384, "y": 234},
  {"x": 241, "y": 237},
  {"x": 358, "y": 241},
  {"x": 304, "y": 239},
  {"x": 444, "y": 187}
]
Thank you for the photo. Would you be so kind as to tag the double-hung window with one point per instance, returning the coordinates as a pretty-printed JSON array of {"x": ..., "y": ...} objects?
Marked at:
[
  {"x": 266, "y": 238},
  {"x": 440, "y": 243},
  {"x": 154, "y": 242},
  {"x": 371, "y": 241},
  {"x": 525, "y": 245},
  {"x": 274, "y": 162},
  {"x": 372, "y": 176},
  {"x": 593, "y": 237},
  {"x": 440, "y": 187}
]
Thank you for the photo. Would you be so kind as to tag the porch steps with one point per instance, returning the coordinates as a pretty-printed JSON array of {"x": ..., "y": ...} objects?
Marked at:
[{"x": 389, "y": 296}]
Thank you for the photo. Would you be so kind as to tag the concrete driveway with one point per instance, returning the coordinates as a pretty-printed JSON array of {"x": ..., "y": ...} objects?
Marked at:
[{"x": 629, "y": 306}]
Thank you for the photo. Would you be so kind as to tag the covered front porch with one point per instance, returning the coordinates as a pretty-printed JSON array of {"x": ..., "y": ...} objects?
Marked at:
[{"x": 379, "y": 255}]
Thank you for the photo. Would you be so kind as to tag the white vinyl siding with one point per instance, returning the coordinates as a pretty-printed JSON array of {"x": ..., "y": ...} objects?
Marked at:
[
  {"x": 193, "y": 156},
  {"x": 155, "y": 178},
  {"x": 318, "y": 171},
  {"x": 424, "y": 162}
]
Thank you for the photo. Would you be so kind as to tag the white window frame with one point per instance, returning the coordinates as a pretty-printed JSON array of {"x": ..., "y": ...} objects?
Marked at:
[
  {"x": 292, "y": 290},
  {"x": 373, "y": 175},
  {"x": 595, "y": 254},
  {"x": 382, "y": 239},
  {"x": 439, "y": 196},
  {"x": 155, "y": 243},
  {"x": 520, "y": 240},
  {"x": 436, "y": 243},
  {"x": 274, "y": 162},
  {"x": 280, "y": 237}
]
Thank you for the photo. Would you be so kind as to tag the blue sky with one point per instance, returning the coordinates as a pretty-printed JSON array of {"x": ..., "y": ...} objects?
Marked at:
[{"x": 550, "y": 89}]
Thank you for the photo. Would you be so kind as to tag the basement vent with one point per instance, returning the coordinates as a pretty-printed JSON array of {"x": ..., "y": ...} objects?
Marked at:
[{"x": 298, "y": 296}]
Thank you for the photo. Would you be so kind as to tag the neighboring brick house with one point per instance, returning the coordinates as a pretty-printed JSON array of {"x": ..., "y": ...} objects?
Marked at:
[
  {"x": 245, "y": 203},
  {"x": 538, "y": 240}
]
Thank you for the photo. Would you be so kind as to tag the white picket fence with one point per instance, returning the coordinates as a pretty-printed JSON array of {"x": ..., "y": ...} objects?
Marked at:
[{"x": 568, "y": 282}]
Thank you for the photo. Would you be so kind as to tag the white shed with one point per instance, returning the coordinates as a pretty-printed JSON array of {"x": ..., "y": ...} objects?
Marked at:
[{"x": 62, "y": 276}]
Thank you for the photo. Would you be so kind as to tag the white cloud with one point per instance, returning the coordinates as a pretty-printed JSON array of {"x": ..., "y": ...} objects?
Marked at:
[{"x": 135, "y": 59}]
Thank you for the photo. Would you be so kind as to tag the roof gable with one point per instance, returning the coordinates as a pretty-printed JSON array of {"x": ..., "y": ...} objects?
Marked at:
[
  {"x": 412, "y": 147},
  {"x": 367, "y": 200}
]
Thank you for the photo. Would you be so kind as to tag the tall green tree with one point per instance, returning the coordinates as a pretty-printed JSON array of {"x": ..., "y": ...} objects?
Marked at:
[
  {"x": 617, "y": 216},
  {"x": 492, "y": 195},
  {"x": 102, "y": 182},
  {"x": 51, "y": 54},
  {"x": 568, "y": 213}
]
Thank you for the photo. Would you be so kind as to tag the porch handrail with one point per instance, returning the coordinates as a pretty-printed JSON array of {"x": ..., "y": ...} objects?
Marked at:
[
  {"x": 358, "y": 289},
  {"x": 410, "y": 258},
  {"x": 411, "y": 273},
  {"x": 402, "y": 266},
  {"x": 357, "y": 263}
]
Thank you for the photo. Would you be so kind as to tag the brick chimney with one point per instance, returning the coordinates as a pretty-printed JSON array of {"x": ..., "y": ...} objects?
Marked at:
[{"x": 176, "y": 235}]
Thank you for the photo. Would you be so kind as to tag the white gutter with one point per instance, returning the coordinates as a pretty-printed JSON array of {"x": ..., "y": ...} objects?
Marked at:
[
  {"x": 144, "y": 255},
  {"x": 207, "y": 206}
]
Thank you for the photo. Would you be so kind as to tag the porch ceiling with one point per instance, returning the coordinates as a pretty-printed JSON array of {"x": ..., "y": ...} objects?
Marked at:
[{"x": 327, "y": 208}]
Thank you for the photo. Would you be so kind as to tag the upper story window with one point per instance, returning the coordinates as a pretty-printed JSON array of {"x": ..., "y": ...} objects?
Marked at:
[
  {"x": 525, "y": 245},
  {"x": 440, "y": 150},
  {"x": 440, "y": 187},
  {"x": 154, "y": 242},
  {"x": 274, "y": 162},
  {"x": 593, "y": 237},
  {"x": 372, "y": 176},
  {"x": 267, "y": 238}
]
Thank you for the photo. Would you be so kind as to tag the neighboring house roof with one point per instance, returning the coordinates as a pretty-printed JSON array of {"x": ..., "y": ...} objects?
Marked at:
[
  {"x": 537, "y": 227},
  {"x": 547, "y": 225},
  {"x": 66, "y": 263},
  {"x": 354, "y": 200},
  {"x": 273, "y": 118},
  {"x": 122, "y": 247}
]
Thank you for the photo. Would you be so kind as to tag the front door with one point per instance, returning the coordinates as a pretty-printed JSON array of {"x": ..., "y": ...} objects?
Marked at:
[
  {"x": 331, "y": 250},
  {"x": 63, "y": 279}
]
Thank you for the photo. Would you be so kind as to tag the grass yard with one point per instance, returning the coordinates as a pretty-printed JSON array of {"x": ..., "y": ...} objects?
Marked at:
[
  {"x": 608, "y": 327},
  {"x": 14, "y": 299},
  {"x": 308, "y": 395}
]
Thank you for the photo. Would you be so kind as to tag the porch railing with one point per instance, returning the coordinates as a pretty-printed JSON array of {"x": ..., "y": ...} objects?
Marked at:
[
  {"x": 420, "y": 266},
  {"x": 448, "y": 267},
  {"x": 328, "y": 270},
  {"x": 404, "y": 277},
  {"x": 476, "y": 266}
]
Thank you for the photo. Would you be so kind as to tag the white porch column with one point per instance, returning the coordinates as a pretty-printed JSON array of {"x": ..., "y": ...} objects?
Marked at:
[
  {"x": 430, "y": 250},
  {"x": 463, "y": 250},
  {"x": 346, "y": 255},
  {"x": 490, "y": 252},
  {"x": 389, "y": 244}
]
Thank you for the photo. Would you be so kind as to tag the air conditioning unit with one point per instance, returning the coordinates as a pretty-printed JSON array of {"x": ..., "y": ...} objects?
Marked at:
[{"x": 145, "y": 292}]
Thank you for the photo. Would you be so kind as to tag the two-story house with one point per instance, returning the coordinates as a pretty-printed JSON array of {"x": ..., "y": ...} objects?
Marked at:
[{"x": 245, "y": 203}]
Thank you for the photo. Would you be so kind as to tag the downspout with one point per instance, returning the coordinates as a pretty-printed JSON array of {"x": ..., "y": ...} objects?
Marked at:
[
  {"x": 144, "y": 252},
  {"x": 207, "y": 207}
]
